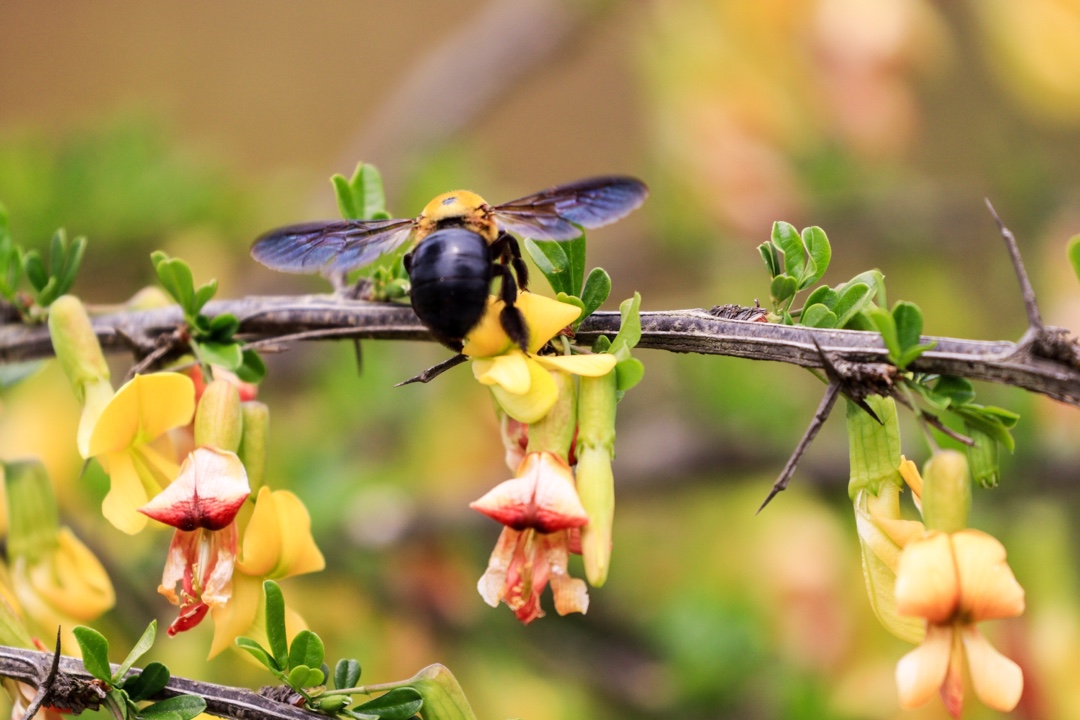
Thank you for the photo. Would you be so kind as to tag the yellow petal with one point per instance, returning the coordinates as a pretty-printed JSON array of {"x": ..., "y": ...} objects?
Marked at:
[
  {"x": 126, "y": 494},
  {"x": 926, "y": 579},
  {"x": 997, "y": 680},
  {"x": 238, "y": 615},
  {"x": 587, "y": 365},
  {"x": 141, "y": 410},
  {"x": 533, "y": 405},
  {"x": 74, "y": 583},
  {"x": 921, "y": 672},
  {"x": 488, "y": 338},
  {"x": 98, "y": 395},
  {"x": 988, "y": 588},
  {"x": 544, "y": 317},
  {"x": 277, "y": 540},
  {"x": 300, "y": 554},
  {"x": 262, "y": 537},
  {"x": 510, "y": 372}
]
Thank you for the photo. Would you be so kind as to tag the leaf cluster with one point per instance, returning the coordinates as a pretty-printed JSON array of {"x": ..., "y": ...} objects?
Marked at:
[
  {"x": 124, "y": 691},
  {"x": 362, "y": 197},
  {"x": 212, "y": 340},
  {"x": 299, "y": 665},
  {"x": 48, "y": 279}
]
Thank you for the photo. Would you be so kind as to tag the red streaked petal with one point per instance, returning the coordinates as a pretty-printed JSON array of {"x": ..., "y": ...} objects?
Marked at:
[
  {"x": 541, "y": 497},
  {"x": 209, "y": 491}
]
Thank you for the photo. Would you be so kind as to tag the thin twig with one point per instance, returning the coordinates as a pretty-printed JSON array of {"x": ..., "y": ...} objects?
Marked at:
[{"x": 435, "y": 370}]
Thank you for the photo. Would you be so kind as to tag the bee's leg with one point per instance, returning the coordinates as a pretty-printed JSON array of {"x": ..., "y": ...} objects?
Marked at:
[
  {"x": 506, "y": 247},
  {"x": 511, "y": 319}
]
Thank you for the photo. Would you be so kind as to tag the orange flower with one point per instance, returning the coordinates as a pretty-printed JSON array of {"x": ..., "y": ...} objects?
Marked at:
[{"x": 953, "y": 581}]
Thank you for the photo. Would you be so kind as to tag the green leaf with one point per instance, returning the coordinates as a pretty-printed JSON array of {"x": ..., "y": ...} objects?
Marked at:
[
  {"x": 227, "y": 355},
  {"x": 258, "y": 652},
  {"x": 148, "y": 683},
  {"x": 252, "y": 369},
  {"x": 909, "y": 322},
  {"x": 184, "y": 706},
  {"x": 398, "y": 704},
  {"x": 72, "y": 262},
  {"x": 306, "y": 649},
  {"x": 988, "y": 420},
  {"x": 957, "y": 390},
  {"x": 818, "y": 316},
  {"x": 57, "y": 251},
  {"x": 175, "y": 277},
  {"x": 823, "y": 295},
  {"x": 983, "y": 458},
  {"x": 552, "y": 261},
  {"x": 820, "y": 254},
  {"x": 361, "y": 197},
  {"x": 443, "y": 696},
  {"x": 912, "y": 354},
  {"x": 35, "y": 270},
  {"x": 629, "y": 329},
  {"x": 330, "y": 704},
  {"x": 203, "y": 295},
  {"x": 346, "y": 202},
  {"x": 782, "y": 289},
  {"x": 787, "y": 238},
  {"x": 1074, "y": 254},
  {"x": 872, "y": 278},
  {"x": 48, "y": 293},
  {"x": 95, "y": 652},
  {"x": 302, "y": 676},
  {"x": 575, "y": 252},
  {"x": 883, "y": 321},
  {"x": 768, "y": 255},
  {"x": 346, "y": 673},
  {"x": 572, "y": 300},
  {"x": 224, "y": 326},
  {"x": 141, "y": 647},
  {"x": 850, "y": 302},
  {"x": 628, "y": 373},
  {"x": 596, "y": 291},
  {"x": 275, "y": 623}
]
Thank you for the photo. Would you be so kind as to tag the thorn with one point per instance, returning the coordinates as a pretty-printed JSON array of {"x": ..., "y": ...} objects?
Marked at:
[
  {"x": 358, "y": 351},
  {"x": 1034, "y": 318},
  {"x": 832, "y": 392},
  {"x": 836, "y": 377},
  {"x": 435, "y": 370},
  {"x": 46, "y": 684}
]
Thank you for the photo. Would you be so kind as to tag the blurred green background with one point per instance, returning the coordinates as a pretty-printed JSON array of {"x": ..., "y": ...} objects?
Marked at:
[{"x": 194, "y": 127}]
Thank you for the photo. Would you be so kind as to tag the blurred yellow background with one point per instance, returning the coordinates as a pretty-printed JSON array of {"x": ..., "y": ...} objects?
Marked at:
[{"x": 194, "y": 127}]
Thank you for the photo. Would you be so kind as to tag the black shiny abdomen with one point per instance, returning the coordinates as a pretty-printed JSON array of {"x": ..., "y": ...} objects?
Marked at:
[{"x": 451, "y": 275}]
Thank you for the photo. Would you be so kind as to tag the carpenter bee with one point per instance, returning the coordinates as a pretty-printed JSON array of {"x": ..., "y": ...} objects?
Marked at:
[{"x": 459, "y": 245}]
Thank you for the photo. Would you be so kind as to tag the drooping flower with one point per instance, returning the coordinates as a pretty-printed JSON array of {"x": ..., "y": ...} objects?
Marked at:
[
  {"x": 202, "y": 505},
  {"x": 539, "y": 508},
  {"x": 520, "y": 381},
  {"x": 954, "y": 581},
  {"x": 55, "y": 580},
  {"x": 277, "y": 543},
  {"x": 127, "y": 439}
]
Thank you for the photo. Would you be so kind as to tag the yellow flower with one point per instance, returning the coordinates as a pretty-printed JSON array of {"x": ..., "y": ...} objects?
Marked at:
[
  {"x": 521, "y": 382},
  {"x": 953, "y": 581},
  {"x": 277, "y": 544},
  {"x": 125, "y": 441}
]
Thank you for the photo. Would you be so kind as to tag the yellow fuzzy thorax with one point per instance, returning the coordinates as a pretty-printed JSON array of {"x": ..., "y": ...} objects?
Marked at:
[{"x": 459, "y": 205}]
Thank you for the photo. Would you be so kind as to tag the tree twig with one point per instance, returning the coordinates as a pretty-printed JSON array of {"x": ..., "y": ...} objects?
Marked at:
[{"x": 271, "y": 317}]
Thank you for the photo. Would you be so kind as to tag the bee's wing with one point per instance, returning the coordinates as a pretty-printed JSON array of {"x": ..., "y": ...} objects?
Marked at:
[
  {"x": 560, "y": 212},
  {"x": 330, "y": 246}
]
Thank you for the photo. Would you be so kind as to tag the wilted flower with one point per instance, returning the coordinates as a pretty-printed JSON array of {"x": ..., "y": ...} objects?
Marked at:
[
  {"x": 201, "y": 504},
  {"x": 521, "y": 382},
  {"x": 539, "y": 508}
]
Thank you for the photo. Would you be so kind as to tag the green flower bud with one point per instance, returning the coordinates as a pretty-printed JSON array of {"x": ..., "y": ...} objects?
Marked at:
[
  {"x": 595, "y": 480},
  {"x": 946, "y": 495},
  {"x": 254, "y": 442},
  {"x": 76, "y": 345},
  {"x": 874, "y": 448},
  {"x": 32, "y": 515},
  {"x": 218, "y": 420}
]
